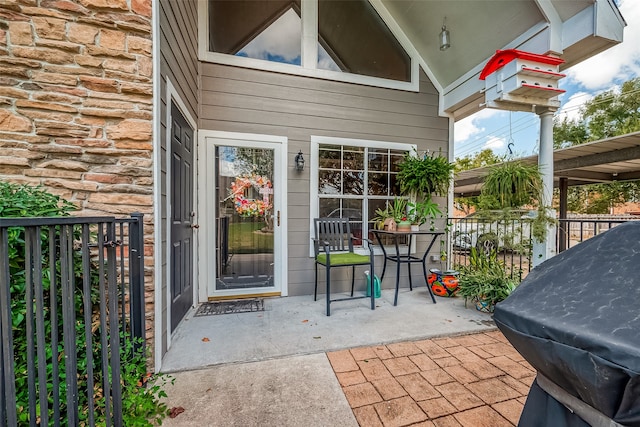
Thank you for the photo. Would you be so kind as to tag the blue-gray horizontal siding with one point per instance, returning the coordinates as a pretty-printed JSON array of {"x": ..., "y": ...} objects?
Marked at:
[{"x": 243, "y": 100}]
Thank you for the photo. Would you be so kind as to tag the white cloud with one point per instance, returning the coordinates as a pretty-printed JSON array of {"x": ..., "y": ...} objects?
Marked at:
[
  {"x": 280, "y": 38},
  {"x": 619, "y": 63},
  {"x": 471, "y": 127},
  {"x": 571, "y": 108},
  {"x": 494, "y": 143}
]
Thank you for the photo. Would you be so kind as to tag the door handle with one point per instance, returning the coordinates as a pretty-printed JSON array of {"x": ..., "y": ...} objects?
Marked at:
[
  {"x": 278, "y": 218},
  {"x": 195, "y": 225}
]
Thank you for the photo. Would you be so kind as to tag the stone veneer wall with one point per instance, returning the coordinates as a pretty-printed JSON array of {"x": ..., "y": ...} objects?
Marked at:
[{"x": 76, "y": 106}]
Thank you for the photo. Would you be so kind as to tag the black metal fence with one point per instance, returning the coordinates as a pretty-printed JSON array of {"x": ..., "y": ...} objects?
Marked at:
[
  {"x": 513, "y": 241},
  {"x": 71, "y": 299},
  {"x": 572, "y": 231},
  {"x": 510, "y": 237}
]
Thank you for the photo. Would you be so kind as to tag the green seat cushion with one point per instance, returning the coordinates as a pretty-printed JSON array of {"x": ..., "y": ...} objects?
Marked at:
[{"x": 343, "y": 259}]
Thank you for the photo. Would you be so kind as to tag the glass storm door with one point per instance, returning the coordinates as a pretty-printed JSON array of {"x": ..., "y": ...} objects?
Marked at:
[{"x": 246, "y": 213}]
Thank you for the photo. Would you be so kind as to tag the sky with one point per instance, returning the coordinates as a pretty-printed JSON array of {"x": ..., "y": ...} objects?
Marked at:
[{"x": 495, "y": 129}]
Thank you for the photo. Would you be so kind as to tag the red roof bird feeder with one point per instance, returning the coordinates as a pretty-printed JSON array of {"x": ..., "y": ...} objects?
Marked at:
[{"x": 518, "y": 81}]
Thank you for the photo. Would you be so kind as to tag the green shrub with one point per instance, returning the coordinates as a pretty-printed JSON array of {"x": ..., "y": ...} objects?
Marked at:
[{"x": 140, "y": 404}]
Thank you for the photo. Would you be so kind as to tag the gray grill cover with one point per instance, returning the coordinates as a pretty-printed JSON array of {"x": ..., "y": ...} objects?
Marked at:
[{"x": 576, "y": 319}]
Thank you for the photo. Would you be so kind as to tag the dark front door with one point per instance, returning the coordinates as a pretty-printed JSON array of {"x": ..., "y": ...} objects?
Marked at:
[{"x": 181, "y": 215}]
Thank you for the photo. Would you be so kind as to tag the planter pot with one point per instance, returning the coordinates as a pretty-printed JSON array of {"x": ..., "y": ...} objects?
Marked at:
[
  {"x": 415, "y": 227},
  {"x": 404, "y": 226},
  {"x": 484, "y": 306}
]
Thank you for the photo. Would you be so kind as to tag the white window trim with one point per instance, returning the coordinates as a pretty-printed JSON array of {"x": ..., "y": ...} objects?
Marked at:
[
  {"x": 313, "y": 178},
  {"x": 310, "y": 53}
]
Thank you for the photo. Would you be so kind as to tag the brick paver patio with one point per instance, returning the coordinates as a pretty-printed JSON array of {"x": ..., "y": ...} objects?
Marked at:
[{"x": 470, "y": 381}]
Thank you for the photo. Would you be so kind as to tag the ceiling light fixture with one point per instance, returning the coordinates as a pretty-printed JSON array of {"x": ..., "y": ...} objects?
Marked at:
[{"x": 445, "y": 38}]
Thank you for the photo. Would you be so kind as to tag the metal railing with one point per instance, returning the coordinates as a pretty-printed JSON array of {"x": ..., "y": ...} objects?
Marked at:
[
  {"x": 572, "y": 231},
  {"x": 512, "y": 238},
  {"x": 71, "y": 299}
]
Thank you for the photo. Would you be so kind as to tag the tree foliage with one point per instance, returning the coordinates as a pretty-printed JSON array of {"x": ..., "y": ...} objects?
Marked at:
[
  {"x": 485, "y": 157},
  {"x": 611, "y": 113}
]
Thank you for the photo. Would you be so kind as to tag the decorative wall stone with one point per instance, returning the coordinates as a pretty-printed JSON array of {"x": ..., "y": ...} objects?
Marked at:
[
  {"x": 76, "y": 99},
  {"x": 21, "y": 33},
  {"x": 11, "y": 122}
]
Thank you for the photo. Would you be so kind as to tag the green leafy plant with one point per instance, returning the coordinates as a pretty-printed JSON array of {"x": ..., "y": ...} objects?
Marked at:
[
  {"x": 485, "y": 279},
  {"x": 513, "y": 185},
  {"x": 421, "y": 212},
  {"x": 424, "y": 176},
  {"x": 142, "y": 392},
  {"x": 396, "y": 210}
]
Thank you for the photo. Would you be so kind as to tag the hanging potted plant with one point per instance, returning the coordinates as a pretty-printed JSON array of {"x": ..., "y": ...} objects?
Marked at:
[
  {"x": 513, "y": 185},
  {"x": 421, "y": 177}
]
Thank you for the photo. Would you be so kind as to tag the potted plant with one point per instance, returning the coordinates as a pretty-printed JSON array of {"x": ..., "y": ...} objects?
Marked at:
[
  {"x": 396, "y": 210},
  {"x": 485, "y": 281},
  {"x": 421, "y": 212},
  {"x": 420, "y": 177},
  {"x": 511, "y": 185},
  {"x": 404, "y": 224}
]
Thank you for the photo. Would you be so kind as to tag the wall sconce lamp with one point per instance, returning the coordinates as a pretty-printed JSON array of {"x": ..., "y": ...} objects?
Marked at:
[
  {"x": 444, "y": 37},
  {"x": 299, "y": 161}
]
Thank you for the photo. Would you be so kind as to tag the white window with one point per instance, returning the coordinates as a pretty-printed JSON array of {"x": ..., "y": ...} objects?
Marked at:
[
  {"x": 352, "y": 179},
  {"x": 344, "y": 40}
]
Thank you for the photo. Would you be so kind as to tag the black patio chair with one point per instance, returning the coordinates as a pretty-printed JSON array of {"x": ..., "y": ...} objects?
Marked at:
[{"x": 333, "y": 245}]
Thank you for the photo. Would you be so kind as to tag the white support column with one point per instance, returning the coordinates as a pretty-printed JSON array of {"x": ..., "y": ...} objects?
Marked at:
[
  {"x": 545, "y": 156},
  {"x": 545, "y": 250}
]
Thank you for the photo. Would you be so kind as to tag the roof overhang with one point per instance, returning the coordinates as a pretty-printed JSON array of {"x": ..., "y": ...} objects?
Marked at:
[
  {"x": 611, "y": 159},
  {"x": 574, "y": 30}
]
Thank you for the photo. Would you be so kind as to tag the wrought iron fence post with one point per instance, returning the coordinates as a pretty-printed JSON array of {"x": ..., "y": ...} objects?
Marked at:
[
  {"x": 8, "y": 412},
  {"x": 136, "y": 268}
]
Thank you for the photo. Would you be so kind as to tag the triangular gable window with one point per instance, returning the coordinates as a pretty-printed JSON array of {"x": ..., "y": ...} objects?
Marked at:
[
  {"x": 351, "y": 35},
  {"x": 359, "y": 41},
  {"x": 279, "y": 42}
]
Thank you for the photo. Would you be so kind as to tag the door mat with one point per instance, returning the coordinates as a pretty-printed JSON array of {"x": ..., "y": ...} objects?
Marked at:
[{"x": 212, "y": 308}]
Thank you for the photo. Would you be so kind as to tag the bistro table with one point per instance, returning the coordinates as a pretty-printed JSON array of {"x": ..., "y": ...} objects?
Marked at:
[{"x": 406, "y": 258}]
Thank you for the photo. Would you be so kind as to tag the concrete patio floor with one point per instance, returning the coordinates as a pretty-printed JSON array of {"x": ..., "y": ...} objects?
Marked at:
[
  {"x": 418, "y": 363},
  {"x": 298, "y": 325}
]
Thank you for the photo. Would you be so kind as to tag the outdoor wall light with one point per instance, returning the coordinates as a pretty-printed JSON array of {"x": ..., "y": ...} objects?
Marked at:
[
  {"x": 299, "y": 161},
  {"x": 445, "y": 38}
]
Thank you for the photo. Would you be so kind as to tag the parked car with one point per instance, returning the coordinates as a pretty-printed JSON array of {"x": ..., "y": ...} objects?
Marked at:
[{"x": 494, "y": 230}]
